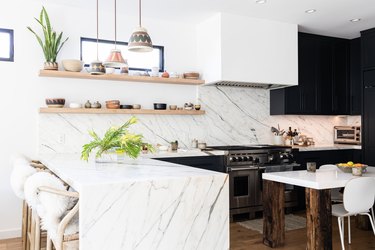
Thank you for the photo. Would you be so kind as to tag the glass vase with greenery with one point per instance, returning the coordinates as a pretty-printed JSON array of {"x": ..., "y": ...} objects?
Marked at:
[
  {"x": 118, "y": 139},
  {"x": 51, "y": 43}
]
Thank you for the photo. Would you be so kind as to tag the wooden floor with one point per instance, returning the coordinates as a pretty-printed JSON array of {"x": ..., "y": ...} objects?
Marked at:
[{"x": 245, "y": 239}]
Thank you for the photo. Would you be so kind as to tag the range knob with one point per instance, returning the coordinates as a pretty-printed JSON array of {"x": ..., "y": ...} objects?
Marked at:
[
  {"x": 256, "y": 160},
  {"x": 240, "y": 158},
  {"x": 245, "y": 158},
  {"x": 233, "y": 159}
]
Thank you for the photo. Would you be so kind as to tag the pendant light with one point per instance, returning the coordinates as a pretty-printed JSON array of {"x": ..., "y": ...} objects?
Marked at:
[
  {"x": 115, "y": 58},
  {"x": 140, "y": 41},
  {"x": 97, "y": 67}
]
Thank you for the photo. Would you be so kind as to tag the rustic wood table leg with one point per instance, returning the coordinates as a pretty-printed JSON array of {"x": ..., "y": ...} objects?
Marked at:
[
  {"x": 318, "y": 219},
  {"x": 273, "y": 214}
]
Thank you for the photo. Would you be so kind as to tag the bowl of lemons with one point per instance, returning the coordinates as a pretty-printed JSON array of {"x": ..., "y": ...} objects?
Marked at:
[{"x": 348, "y": 166}]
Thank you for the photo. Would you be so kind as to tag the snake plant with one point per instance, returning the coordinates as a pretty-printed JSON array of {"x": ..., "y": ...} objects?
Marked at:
[{"x": 52, "y": 43}]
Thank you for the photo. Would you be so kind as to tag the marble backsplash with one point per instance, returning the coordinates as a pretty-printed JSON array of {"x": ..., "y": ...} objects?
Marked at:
[{"x": 233, "y": 116}]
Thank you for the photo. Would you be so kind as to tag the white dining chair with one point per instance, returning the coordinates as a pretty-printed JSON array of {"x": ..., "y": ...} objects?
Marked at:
[
  {"x": 57, "y": 208},
  {"x": 336, "y": 195},
  {"x": 359, "y": 195}
]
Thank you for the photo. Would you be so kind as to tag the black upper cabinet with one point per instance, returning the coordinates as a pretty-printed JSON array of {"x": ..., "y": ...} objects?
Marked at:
[
  {"x": 368, "y": 49},
  {"x": 324, "y": 83},
  {"x": 355, "y": 77}
]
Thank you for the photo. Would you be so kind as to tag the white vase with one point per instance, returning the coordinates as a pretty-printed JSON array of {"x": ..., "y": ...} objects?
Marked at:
[{"x": 278, "y": 140}]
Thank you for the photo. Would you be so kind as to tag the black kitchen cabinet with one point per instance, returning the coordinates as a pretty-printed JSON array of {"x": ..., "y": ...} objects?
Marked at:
[
  {"x": 214, "y": 162},
  {"x": 324, "y": 86},
  {"x": 355, "y": 77},
  {"x": 322, "y": 157},
  {"x": 368, "y": 49},
  {"x": 368, "y": 122}
]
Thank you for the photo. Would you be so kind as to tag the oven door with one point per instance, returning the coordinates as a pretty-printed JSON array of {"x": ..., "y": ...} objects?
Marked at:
[{"x": 243, "y": 187}]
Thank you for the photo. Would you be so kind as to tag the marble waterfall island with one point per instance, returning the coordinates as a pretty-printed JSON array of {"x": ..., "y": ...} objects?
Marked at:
[{"x": 146, "y": 204}]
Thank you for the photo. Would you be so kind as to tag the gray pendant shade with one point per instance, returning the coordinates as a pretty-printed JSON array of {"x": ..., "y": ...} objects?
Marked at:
[{"x": 140, "y": 40}]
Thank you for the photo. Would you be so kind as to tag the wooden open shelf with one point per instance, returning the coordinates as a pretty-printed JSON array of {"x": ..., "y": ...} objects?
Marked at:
[
  {"x": 120, "y": 111},
  {"x": 117, "y": 77}
]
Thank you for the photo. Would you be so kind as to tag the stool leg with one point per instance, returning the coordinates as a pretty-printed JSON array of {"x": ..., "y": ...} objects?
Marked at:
[
  {"x": 349, "y": 236},
  {"x": 37, "y": 233},
  {"x": 49, "y": 243}
]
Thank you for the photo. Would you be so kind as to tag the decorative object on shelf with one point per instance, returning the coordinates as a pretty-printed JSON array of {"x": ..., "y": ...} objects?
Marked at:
[
  {"x": 188, "y": 106},
  {"x": 74, "y": 105},
  {"x": 117, "y": 139},
  {"x": 72, "y": 65},
  {"x": 126, "y": 106},
  {"x": 165, "y": 74},
  {"x": 154, "y": 72},
  {"x": 140, "y": 41},
  {"x": 109, "y": 70},
  {"x": 137, "y": 106},
  {"x": 88, "y": 104},
  {"x": 125, "y": 67},
  {"x": 197, "y": 106},
  {"x": 55, "y": 102},
  {"x": 194, "y": 143},
  {"x": 160, "y": 106},
  {"x": 52, "y": 42},
  {"x": 174, "y": 145},
  {"x": 202, "y": 145},
  {"x": 191, "y": 75},
  {"x": 174, "y": 75},
  {"x": 115, "y": 58},
  {"x": 96, "y": 105},
  {"x": 172, "y": 107},
  {"x": 97, "y": 67},
  {"x": 112, "y": 104}
]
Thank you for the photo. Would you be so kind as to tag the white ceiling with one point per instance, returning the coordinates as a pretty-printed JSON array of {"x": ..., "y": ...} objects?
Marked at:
[{"x": 331, "y": 18}]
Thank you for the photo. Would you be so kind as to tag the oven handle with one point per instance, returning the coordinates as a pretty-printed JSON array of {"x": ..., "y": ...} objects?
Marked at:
[
  {"x": 229, "y": 169},
  {"x": 261, "y": 171}
]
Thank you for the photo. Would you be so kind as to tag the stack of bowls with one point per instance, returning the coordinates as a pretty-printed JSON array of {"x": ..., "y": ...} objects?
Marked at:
[{"x": 112, "y": 104}]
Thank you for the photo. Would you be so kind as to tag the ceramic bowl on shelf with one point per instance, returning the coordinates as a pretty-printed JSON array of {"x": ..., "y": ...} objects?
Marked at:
[
  {"x": 125, "y": 106},
  {"x": 55, "y": 102},
  {"x": 191, "y": 75},
  {"x": 160, "y": 106},
  {"x": 72, "y": 65},
  {"x": 137, "y": 106}
]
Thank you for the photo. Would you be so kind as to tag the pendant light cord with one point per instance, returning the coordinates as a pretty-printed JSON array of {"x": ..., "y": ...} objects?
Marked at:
[
  {"x": 140, "y": 13},
  {"x": 97, "y": 30},
  {"x": 115, "y": 23}
]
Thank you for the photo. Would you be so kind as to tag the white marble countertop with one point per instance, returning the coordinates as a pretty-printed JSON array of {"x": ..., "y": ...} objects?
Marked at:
[
  {"x": 327, "y": 147},
  {"x": 321, "y": 179},
  {"x": 78, "y": 173},
  {"x": 181, "y": 153}
]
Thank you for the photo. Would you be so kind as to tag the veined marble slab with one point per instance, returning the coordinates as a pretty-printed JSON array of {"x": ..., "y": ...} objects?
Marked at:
[
  {"x": 328, "y": 147},
  {"x": 234, "y": 116},
  {"x": 146, "y": 204}
]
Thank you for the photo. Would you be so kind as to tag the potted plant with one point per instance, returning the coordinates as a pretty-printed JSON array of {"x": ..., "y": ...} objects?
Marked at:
[
  {"x": 117, "y": 140},
  {"x": 51, "y": 44}
]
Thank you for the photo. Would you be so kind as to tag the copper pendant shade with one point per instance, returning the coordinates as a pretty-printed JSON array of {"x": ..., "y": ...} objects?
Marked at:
[
  {"x": 115, "y": 58},
  {"x": 140, "y": 40}
]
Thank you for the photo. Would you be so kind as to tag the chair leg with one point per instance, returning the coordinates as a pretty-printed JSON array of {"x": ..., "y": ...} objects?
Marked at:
[
  {"x": 349, "y": 236},
  {"x": 340, "y": 223},
  {"x": 49, "y": 243},
  {"x": 372, "y": 223},
  {"x": 372, "y": 213},
  {"x": 37, "y": 233}
]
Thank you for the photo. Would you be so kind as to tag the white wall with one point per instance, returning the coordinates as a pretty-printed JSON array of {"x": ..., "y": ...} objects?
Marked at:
[{"x": 22, "y": 92}]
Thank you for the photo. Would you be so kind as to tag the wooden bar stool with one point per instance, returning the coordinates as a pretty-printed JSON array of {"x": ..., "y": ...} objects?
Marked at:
[{"x": 57, "y": 208}]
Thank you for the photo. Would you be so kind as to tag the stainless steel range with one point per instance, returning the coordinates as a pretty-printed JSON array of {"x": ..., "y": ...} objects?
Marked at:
[{"x": 245, "y": 165}]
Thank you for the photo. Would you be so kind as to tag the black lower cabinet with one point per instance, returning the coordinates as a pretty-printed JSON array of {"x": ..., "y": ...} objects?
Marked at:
[
  {"x": 368, "y": 123},
  {"x": 214, "y": 162}
]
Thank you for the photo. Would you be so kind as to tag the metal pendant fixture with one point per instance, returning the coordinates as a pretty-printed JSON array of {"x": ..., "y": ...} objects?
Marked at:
[
  {"x": 140, "y": 41},
  {"x": 97, "y": 68},
  {"x": 115, "y": 58}
]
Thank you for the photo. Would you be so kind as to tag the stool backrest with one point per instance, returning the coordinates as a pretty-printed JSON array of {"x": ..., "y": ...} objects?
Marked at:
[
  {"x": 20, "y": 172},
  {"x": 359, "y": 194},
  {"x": 328, "y": 167}
]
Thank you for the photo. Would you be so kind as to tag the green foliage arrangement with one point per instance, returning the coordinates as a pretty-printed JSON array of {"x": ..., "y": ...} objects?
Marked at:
[
  {"x": 52, "y": 43},
  {"x": 116, "y": 138}
]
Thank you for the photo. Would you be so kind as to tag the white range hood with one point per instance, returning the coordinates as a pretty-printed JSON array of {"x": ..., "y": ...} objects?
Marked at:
[{"x": 242, "y": 51}]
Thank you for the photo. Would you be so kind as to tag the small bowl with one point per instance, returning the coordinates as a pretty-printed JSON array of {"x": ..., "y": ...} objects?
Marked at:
[
  {"x": 137, "y": 106},
  {"x": 160, "y": 106},
  {"x": 202, "y": 145},
  {"x": 125, "y": 106},
  {"x": 197, "y": 106},
  {"x": 191, "y": 75},
  {"x": 172, "y": 107},
  {"x": 74, "y": 105},
  {"x": 55, "y": 102},
  {"x": 72, "y": 65},
  {"x": 112, "y": 102}
]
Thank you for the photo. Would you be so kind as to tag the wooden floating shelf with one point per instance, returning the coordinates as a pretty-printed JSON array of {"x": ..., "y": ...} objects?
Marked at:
[
  {"x": 120, "y": 111},
  {"x": 117, "y": 77}
]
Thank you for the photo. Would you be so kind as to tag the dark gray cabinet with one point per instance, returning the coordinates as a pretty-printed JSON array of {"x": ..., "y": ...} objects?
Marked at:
[
  {"x": 214, "y": 162},
  {"x": 325, "y": 85},
  {"x": 368, "y": 49}
]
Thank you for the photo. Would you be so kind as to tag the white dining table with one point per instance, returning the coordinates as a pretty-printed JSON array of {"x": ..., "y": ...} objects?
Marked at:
[{"x": 318, "y": 187}]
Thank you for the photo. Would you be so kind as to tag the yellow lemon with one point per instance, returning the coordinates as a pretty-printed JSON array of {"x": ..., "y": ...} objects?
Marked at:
[{"x": 350, "y": 163}]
